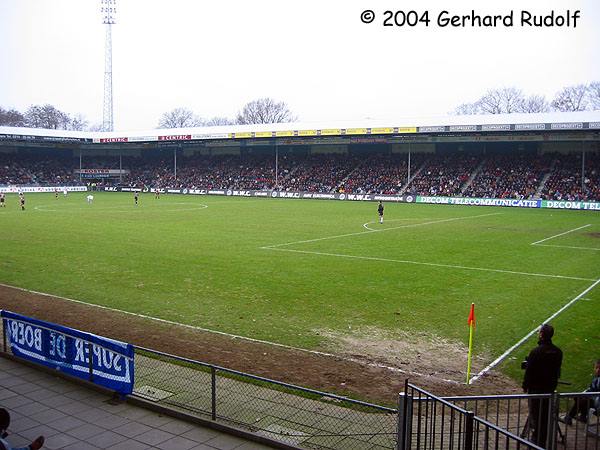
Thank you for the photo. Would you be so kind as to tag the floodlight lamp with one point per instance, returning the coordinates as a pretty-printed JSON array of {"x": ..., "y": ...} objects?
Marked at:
[{"x": 109, "y": 11}]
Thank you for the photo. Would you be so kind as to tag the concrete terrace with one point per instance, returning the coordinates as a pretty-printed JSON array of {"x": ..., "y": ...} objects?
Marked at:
[{"x": 72, "y": 416}]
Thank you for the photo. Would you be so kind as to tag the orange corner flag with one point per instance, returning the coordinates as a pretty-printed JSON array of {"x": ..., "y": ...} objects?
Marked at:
[{"x": 471, "y": 320}]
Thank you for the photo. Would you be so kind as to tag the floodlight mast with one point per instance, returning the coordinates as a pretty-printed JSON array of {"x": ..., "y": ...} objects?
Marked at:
[{"x": 108, "y": 10}]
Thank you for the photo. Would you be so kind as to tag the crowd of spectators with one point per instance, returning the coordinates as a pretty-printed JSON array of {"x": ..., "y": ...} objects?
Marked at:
[
  {"x": 444, "y": 175},
  {"x": 319, "y": 173},
  {"x": 210, "y": 172},
  {"x": 35, "y": 170},
  {"x": 380, "y": 174},
  {"x": 565, "y": 181},
  {"x": 491, "y": 176},
  {"x": 509, "y": 176}
]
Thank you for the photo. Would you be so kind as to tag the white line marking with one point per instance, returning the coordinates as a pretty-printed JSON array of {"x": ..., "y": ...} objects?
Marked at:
[
  {"x": 561, "y": 234},
  {"x": 531, "y": 333},
  {"x": 366, "y": 225},
  {"x": 420, "y": 263},
  {"x": 123, "y": 208},
  {"x": 374, "y": 231},
  {"x": 234, "y": 336},
  {"x": 568, "y": 246}
]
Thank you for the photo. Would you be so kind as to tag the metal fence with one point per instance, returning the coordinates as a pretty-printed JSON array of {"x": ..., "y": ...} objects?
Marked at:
[
  {"x": 290, "y": 414},
  {"x": 512, "y": 414},
  {"x": 430, "y": 422}
]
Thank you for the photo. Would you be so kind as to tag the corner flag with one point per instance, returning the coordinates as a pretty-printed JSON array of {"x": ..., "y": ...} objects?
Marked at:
[
  {"x": 471, "y": 323},
  {"x": 471, "y": 319}
]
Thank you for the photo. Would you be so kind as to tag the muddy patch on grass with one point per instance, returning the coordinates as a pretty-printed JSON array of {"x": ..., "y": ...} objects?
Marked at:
[{"x": 415, "y": 353}]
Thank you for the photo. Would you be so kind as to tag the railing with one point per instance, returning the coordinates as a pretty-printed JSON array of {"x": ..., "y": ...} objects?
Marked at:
[
  {"x": 580, "y": 434},
  {"x": 290, "y": 414},
  {"x": 511, "y": 413},
  {"x": 430, "y": 422}
]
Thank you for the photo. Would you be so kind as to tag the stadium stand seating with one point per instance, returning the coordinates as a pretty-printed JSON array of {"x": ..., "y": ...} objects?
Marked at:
[
  {"x": 444, "y": 175},
  {"x": 565, "y": 181},
  {"x": 382, "y": 174},
  {"x": 505, "y": 176},
  {"x": 35, "y": 170},
  {"x": 551, "y": 176}
]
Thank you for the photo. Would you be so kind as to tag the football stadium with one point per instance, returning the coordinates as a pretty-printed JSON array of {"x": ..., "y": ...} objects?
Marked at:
[{"x": 251, "y": 280}]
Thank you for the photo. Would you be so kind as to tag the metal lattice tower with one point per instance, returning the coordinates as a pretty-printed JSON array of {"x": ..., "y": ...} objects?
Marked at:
[{"x": 109, "y": 13}]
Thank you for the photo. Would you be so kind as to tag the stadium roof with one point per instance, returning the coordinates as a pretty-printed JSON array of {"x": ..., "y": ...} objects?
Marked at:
[{"x": 455, "y": 123}]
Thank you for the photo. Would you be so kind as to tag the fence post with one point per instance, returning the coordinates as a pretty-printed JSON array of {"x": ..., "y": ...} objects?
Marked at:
[
  {"x": 404, "y": 421},
  {"x": 552, "y": 425},
  {"x": 213, "y": 383},
  {"x": 91, "y": 360},
  {"x": 3, "y": 335},
  {"x": 469, "y": 430}
]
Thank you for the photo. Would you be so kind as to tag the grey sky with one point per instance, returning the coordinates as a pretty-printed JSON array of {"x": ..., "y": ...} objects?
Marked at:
[{"x": 213, "y": 57}]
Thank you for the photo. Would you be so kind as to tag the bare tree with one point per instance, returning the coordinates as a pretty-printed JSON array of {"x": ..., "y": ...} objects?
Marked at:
[
  {"x": 265, "y": 110},
  {"x": 96, "y": 127},
  {"x": 78, "y": 122},
  {"x": 501, "y": 101},
  {"x": 467, "y": 109},
  {"x": 571, "y": 98},
  {"x": 11, "y": 118},
  {"x": 179, "y": 118},
  {"x": 46, "y": 116},
  {"x": 534, "y": 104},
  {"x": 217, "y": 121},
  {"x": 594, "y": 95}
]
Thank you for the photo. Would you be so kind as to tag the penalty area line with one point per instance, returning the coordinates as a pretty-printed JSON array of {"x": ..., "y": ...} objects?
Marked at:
[
  {"x": 366, "y": 225},
  {"x": 503, "y": 356},
  {"x": 560, "y": 234},
  {"x": 421, "y": 263},
  {"x": 569, "y": 246},
  {"x": 359, "y": 233},
  {"x": 234, "y": 336}
]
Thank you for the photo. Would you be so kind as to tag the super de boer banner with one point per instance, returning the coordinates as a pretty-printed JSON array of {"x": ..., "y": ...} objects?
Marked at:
[{"x": 103, "y": 361}]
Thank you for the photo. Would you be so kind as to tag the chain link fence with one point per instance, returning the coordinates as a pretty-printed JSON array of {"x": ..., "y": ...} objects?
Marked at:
[{"x": 290, "y": 414}]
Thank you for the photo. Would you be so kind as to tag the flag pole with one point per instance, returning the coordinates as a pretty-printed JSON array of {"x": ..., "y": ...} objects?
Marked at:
[{"x": 471, "y": 322}]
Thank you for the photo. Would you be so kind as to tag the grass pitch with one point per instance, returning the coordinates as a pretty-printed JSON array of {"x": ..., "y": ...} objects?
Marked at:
[{"x": 285, "y": 270}]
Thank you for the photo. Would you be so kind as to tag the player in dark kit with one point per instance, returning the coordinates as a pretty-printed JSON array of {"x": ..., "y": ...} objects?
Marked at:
[
  {"x": 56, "y": 194},
  {"x": 22, "y": 201},
  {"x": 135, "y": 196},
  {"x": 380, "y": 211},
  {"x": 2, "y": 204}
]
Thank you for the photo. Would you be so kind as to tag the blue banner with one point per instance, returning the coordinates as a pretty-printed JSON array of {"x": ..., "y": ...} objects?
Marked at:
[{"x": 103, "y": 361}]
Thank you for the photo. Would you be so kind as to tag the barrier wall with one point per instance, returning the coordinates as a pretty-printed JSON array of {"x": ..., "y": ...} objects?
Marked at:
[
  {"x": 406, "y": 198},
  {"x": 37, "y": 189}
]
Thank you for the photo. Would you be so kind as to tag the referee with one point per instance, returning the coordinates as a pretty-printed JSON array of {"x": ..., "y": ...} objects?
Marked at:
[{"x": 380, "y": 211}]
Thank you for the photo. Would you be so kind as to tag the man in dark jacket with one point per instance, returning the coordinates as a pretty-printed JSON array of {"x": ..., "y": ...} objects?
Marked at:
[
  {"x": 581, "y": 406},
  {"x": 542, "y": 371}
]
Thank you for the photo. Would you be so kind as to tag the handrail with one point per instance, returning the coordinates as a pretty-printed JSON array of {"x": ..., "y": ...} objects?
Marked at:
[{"x": 268, "y": 380}]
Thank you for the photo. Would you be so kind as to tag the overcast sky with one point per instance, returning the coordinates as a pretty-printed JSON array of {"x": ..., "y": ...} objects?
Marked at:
[{"x": 214, "y": 56}]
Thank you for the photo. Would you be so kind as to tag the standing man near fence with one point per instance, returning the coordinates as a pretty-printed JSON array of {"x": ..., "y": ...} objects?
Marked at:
[{"x": 542, "y": 370}]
